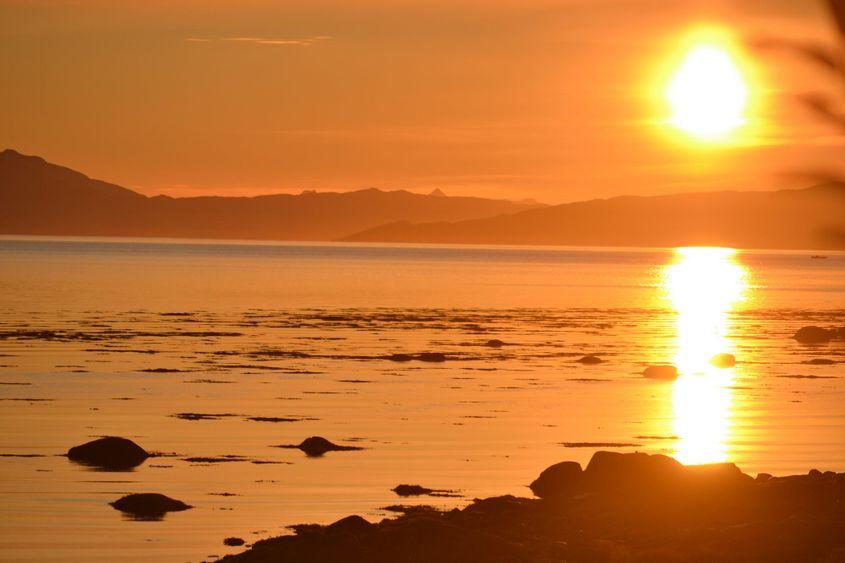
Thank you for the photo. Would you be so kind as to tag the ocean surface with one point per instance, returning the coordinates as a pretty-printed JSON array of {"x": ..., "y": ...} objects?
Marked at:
[{"x": 211, "y": 353}]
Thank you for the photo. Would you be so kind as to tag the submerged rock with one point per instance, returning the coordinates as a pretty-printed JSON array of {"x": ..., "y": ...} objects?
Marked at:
[
  {"x": 723, "y": 360},
  {"x": 315, "y": 446},
  {"x": 411, "y": 490},
  {"x": 152, "y": 506},
  {"x": 814, "y": 335},
  {"x": 418, "y": 490},
  {"x": 665, "y": 372},
  {"x": 111, "y": 452},
  {"x": 589, "y": 360},
  {"x": 234, "y": 542}
]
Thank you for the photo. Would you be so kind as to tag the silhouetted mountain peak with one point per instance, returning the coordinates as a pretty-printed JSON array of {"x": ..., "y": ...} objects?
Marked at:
[
  {"x": 11, "y": 155},
  {"x": 437, "y": 192}
]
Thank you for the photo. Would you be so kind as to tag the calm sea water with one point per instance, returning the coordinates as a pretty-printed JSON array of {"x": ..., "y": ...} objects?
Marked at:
[{"x": 114, "y": 337}]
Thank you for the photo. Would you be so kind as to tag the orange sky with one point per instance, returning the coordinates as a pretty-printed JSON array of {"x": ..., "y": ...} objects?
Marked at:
[{"x": 552, "y": 100}]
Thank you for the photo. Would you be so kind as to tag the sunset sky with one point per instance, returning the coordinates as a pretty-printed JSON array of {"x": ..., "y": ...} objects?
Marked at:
[{"x": 554, "y": 100}]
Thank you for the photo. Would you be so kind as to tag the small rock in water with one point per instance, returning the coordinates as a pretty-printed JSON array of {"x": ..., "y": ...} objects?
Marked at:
[
  {"x": 494, "y": 343},
  {"x": 723, "y": 360},
  {"x": 666, "y": 372},
  {"x": 149, "y": 506},
  {"x": 411, "y": 490},
  {"x": 234, "y": 542},
  {"x": 315, "y": 446},
  {"x": 111, "y": 452},
  {"x": 589, "y": 360},
  {"x": 418, "y": 490},
  {"x": 813, "y": 335}
]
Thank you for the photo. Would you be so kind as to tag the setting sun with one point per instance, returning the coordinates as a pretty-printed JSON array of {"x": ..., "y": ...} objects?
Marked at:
[
  {"x": 707, "y": 94},
  {"x": 488, "y": 280}
]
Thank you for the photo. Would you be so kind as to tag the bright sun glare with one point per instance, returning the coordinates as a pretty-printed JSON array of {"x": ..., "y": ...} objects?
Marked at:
[
  {"x": 703, "y": 286},
  {"x": 707, "y": 94}
]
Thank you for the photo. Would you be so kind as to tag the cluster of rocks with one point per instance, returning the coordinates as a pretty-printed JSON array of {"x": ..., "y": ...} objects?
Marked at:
[
  {"x": 113, "y": 453},
  {"x": 620, "y": 508}
]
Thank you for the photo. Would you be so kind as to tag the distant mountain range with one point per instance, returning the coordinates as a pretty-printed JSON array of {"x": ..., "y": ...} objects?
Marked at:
[
  {"x": 40, "y": 198},
  {"x": 810, "y": 218}
]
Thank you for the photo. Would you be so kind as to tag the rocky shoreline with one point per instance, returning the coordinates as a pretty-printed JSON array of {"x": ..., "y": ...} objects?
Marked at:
[{"x": 620, "y": 508}]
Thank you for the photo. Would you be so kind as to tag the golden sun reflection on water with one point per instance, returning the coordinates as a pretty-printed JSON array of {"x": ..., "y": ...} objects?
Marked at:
[{"x": 703, "y": 285}]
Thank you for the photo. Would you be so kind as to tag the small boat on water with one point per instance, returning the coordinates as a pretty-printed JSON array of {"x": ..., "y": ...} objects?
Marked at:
[{"x": 818, "y": 257}]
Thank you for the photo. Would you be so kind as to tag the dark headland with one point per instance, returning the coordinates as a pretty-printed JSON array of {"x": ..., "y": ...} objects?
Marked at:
[
  {"x": 41, "y": 198},
  {"x": 620, "y": 508}
]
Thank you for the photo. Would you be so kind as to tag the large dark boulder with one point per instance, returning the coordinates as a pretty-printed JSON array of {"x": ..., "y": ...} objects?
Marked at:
[
  {"x": 148, "y": 506},
  {"x": 561, "y": 480},
  {"x": 614, "y": 472},
  {"x": 110, "y": 453},
  {"x": 716, "y": 481}
]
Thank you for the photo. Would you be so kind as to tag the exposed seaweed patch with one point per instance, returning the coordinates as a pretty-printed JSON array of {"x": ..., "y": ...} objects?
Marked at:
[
  {"x": 589, "y": 380},
  {"x": 229, "y": 458},
  {"x": 203, "y": 416},
  {"x": 807, "y": 376},
  {"x": 819, "y": 362},
  {"x": 599, "y": 444},
  {"x": 27, "y": 399},
  {"x": 209, "y": 381},
  {"x": 278, "y": 418}
]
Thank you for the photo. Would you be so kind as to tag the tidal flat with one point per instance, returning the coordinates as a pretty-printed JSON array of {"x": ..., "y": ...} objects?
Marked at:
[{"x": 452, "y": 369}]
